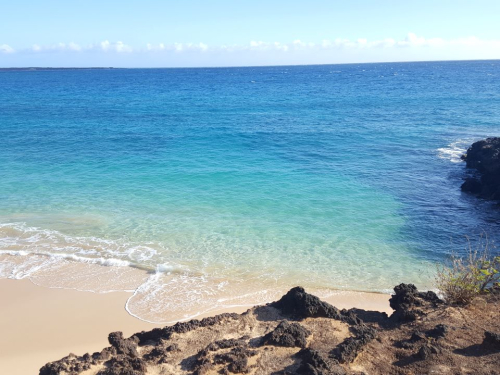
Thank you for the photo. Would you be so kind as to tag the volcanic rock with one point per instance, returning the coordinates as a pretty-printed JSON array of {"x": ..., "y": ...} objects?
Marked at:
[
  {"x": 313, "y": 363},
  {"x": 484, "y": 156},
  {"x": 491, "y": 340},
  {"x": 289, "y": 335},
  {"x": 301, "y": 305},
  {"x": 408, "y": 302},
  {"x": 349, "y": 349},
  {"x": 123, "y": 346}
]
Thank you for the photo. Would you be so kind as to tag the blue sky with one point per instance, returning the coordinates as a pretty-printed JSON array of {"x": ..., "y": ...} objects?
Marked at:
[{"x": 153, "y": 33}]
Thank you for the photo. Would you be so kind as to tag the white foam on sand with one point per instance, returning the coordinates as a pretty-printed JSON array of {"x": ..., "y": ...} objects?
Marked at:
[{"x": 163, "y": 292}]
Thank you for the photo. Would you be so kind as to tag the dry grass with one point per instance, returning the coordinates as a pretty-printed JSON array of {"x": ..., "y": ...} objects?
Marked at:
[{"x": 462, "y": 279}]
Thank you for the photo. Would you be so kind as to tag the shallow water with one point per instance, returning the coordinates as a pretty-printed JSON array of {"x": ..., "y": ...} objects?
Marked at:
[{"x": 223, "y": 182}]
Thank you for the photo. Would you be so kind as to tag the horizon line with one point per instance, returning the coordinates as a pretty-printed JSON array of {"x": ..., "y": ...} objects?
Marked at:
[{"x": 234, "y": 66}]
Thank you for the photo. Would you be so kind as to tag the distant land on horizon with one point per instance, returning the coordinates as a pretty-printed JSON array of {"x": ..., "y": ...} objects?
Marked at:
[
  {"x": 55, "y": 68},
  {"x": 36, "y": 68}
]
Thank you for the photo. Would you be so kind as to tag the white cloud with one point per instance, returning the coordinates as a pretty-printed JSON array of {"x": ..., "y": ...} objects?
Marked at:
[
  {"x": 379, "y": 47},
  {"x": 412, "y": 40},
  {"x": 280, "y": 47},
  {"x": 297, "y": 43},
  {"x": 106, "y": 46},
  {"x": 153, "y": 47},
  {"x": 476, "y": 42},
  {"x": 362, "y": 42},
  {"x": 178, "y": 47},
  {"x": 56, "y": 47},
  {"x": 74, "y": 47},
  {"x": 5, "y": 48},
  {"x": 181, "y": 47},
  {"x": 264, "y": 46},
  {"x": 122, "y": 47},
  {"x": 255, "y": 44}
]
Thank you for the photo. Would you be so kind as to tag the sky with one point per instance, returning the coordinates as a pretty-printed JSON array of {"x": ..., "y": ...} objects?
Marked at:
[{"x": 192, "y": 33}]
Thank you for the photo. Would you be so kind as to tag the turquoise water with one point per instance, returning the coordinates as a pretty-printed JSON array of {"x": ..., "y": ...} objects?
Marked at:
[{"x": 341, "y": 176}]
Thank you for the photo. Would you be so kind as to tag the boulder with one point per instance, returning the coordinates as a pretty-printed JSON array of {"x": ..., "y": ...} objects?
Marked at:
[
  {"x": 124, "y": 346},
  {"x": 314, "y": 363},
  {"x": 301, "y": 305},
  {"x": 157, "y": 334},
  {"x": 408, "y": 302},
  {"x": 236, "y": 360},
  {"x": 288, "y": 335},
  {"x": 439, "y": 331},
  {"x": 426, "y": 351},
  {"x": 123, "y": 365},
  {"x": 70, "y": 364},
  {"x": 348, "y": 350},
  {"x": 491, "y": 340},
  {"x": 484, "y": 157},
  {"x": 233, "y": 361}
]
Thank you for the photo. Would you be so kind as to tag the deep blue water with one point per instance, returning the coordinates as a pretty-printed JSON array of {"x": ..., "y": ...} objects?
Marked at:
[{"x": 339, "y": 176}]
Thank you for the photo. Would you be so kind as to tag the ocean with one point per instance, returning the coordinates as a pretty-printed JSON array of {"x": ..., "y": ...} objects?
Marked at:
[{"x": 202, "y": 188}]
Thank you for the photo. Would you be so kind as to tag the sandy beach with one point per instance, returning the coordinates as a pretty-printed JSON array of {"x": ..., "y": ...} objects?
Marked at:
[{"x": 41, "y": 324}]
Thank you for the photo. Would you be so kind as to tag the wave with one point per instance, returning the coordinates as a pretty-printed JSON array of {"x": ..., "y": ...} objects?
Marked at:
[
  {"x": 161, "y": 291},
  {"x": 454, "y": 151},
  {"x": 109, "y": 262},
  {"x": 56, "y": 260},
  {"x": 21, "y": 239}
]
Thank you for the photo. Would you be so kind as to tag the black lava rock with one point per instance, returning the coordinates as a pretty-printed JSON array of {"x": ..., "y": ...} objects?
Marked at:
[
  {"x": 301, "y": 305},
  {"x": 348, "y": 350},
  {"x": 123, "y": 346},
  {"x": 288, "y": 335},
  {"x": 124, "y": 366},
  {"x": 484, "y": 156},
  {"x": 426, "y": 351},
  {"x": 313, "y": 363},
  {"x": 491, "y": 340},
  {"x": 439, "y": 331},
  {"x": 407, "y": 302}
]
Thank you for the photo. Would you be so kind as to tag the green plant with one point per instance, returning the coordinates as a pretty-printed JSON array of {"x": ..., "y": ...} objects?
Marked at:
[{"x": 461, "y": 279}]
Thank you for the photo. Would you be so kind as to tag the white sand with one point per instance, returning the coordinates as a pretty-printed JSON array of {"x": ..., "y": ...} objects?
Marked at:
[{"x": 39, "y": 324}]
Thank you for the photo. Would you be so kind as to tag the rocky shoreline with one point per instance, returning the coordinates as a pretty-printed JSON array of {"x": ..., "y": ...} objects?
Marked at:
[
  {"x": 300, "y": 334},
  {"x": 483, "y": 157}
]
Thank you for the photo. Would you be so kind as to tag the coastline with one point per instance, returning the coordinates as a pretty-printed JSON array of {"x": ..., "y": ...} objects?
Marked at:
[{"x": 41, "y": 324}]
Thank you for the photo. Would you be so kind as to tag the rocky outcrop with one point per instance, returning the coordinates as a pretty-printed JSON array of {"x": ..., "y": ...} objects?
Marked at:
[
  {"x": 215, "y": 355},
  {"x": 71, "y": 364},
  {"x": 438, "y": 331},
  {"x": 288, "y": 335},
  {"x": 426, "y": 351},
  {"x": 348, "y": 350},
  {"x": 492, "y": 340},
  {"x": 484, "y": 157},
  {"x": 300, "y": 334},
  {"x": 314, "y": 363},
  {"x": 166, "y": 333},
  {"x": 123, "y": 365},
  {"x": 124, "y": 346},
  {"x": 301, "y": 305},
  {"x": 409, "y": 304}
]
